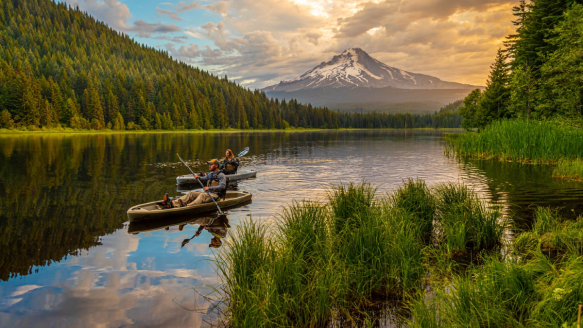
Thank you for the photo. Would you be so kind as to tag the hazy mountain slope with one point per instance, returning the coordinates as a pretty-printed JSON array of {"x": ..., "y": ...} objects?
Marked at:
[{"x": 354, "y": 80}]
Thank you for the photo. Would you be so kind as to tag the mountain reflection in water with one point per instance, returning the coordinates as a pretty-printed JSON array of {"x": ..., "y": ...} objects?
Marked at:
[{"x": 67, "y": 259}]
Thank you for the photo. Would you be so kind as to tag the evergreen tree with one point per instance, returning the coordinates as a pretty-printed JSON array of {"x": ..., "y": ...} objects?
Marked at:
[
  {"x": 494, "y": 100},
  {"x": 470, "y": 111},
  {"x": 523, "y": 89},
  {"x": 561, "y": 82}
]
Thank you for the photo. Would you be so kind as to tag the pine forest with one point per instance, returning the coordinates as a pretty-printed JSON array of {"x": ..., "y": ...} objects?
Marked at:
[{"x": 59, "y": 67}]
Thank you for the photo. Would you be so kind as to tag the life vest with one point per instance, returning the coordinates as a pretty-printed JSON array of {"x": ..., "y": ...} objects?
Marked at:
[{"x": 215, "y": 182}]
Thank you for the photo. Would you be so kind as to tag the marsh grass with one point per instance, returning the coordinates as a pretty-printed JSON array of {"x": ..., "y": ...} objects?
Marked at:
[
  {"x": 326, "y": 263},
  {"x": 569, "y": 169},
  {"x": 464, "y": 222},
  {"x": 522, "y": 141},
  {"x": 415, "y": 198},
  {"x": 551, "y": 234},
  {"x": 530, "y": 288}
]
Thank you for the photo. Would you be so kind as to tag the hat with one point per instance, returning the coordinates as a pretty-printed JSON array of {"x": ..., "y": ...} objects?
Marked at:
[
  {"x": 216, "y": 242},
  {"x": 213, "y": 161}
]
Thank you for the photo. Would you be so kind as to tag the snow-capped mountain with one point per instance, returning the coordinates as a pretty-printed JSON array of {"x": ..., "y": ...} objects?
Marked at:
[{"x": 354, "y": 68}]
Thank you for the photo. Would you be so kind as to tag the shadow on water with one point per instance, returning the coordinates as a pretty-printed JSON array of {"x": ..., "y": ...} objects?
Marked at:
[{"x": 520, "y": 188}]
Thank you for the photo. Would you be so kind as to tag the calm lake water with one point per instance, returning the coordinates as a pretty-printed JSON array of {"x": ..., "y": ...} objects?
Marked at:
[{"x": 67, "y": 258}]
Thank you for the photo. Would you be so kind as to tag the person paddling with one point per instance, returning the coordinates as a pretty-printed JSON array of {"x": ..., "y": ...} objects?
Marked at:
[
  {"x": 230, "y": 163},
  {"x": 216, "y": 185}
]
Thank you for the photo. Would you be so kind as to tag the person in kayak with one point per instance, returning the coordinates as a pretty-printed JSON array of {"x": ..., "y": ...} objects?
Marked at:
[
  {"x": 230, "y": 163},
  {"x": 216, "y": 185}
]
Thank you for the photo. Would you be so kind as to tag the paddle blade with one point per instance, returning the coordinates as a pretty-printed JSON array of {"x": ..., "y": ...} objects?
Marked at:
[{"x": 243, "y": 152}]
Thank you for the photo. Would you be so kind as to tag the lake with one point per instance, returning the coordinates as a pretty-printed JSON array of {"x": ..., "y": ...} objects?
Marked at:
[{"x": 69, "y": 258}]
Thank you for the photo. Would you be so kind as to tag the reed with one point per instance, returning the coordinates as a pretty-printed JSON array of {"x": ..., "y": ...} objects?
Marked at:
[
  {"x": 320, "y": 261},
  {"x": 348, "y": 200},
  {"x": 496, "y": 294},
  {"x": 415, "y": 198},
  {"x": 551, "y": 234},
  {"x": 464, "y": 222},
  {"x": 531, "y": 287},
  {"x": 568, "y": 169},
  {"x": 522, "y": 141}
]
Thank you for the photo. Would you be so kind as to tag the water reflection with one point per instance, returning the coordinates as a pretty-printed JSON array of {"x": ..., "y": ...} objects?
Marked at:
[
  {"x": 216, "y": 225},
  {"x": 67, "y": 259}
]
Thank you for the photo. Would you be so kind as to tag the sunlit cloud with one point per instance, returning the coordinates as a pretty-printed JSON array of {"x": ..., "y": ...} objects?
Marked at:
[{"x": 272, "y": 40}]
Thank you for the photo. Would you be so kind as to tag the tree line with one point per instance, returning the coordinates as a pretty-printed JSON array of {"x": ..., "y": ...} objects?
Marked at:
[
  {"x": 539, "y": 72},
  {"x": 59, "y": 67}
]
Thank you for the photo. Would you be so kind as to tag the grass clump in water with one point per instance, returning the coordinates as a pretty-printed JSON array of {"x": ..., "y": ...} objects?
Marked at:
[
  {"x": 465, "y": 223},
  {"x": 551, "y": 234},
  {"x": 325, "y": 262},
  {"x": 497, "y": 294},
  {"x": 530, "y": 288},
  {"x": 568, "y": 169},
  {"x": 415, "y": 198},
  {"x": 321, "y": 261},
  {"x": 522, "y": 141}
]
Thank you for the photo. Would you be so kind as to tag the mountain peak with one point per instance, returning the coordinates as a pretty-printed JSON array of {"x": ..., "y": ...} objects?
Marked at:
[{"x": 356, "y": 68}]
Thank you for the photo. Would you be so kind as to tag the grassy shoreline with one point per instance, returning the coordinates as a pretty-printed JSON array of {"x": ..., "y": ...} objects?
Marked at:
[
  {"x": 527, "y": 142},
  {"x": 105, "y": 131},
  {"x": 321, "y": 265},
  {"x": 333, "y": 262}
]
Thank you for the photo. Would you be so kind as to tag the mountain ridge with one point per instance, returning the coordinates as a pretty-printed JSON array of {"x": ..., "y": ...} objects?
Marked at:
[{"x": 356, "y": 68}]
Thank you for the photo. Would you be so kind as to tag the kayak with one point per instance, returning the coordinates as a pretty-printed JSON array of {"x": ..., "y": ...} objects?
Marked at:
[
  {"x": 240, "y": 175},
  {"x": 154, "y": 210}
]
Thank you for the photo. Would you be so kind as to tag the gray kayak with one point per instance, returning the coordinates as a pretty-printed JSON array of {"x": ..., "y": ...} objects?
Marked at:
[
  {"x": 189, "y": 179},
  {"x": 154, "y": 210}
]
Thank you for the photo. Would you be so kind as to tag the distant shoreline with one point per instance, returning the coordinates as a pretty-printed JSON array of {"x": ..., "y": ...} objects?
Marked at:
[{"x": 213, "y": 131}]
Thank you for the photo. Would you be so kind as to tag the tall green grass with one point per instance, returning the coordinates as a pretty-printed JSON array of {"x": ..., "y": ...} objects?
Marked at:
[
  {"x": 321, "y": 262},
  {"x": 415, "y": 198},
  {"x": 527, "y": 288},
  {"x": 569, "y": 169},
  {"x": 465, "y": 223},
  {"x": 551, "y": 234},
  {"x": 522, "y": 141}
]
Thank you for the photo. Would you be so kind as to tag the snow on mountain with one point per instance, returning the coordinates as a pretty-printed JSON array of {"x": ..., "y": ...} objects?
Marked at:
[{"x": 355, "y": 68}]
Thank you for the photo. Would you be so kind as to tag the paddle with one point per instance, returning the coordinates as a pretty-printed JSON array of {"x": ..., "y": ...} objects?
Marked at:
[
  {"x": 207, "y": 192},
  {"x": 243, "y": 152}
]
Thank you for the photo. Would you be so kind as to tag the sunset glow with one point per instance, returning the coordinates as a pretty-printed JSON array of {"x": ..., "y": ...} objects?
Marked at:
[{"x": 269, "y": 41}]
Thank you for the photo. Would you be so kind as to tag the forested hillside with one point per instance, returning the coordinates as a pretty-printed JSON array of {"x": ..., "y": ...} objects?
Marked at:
[
  {"x": 540, "y": 72},
  {"x": 61, "y": 67}
]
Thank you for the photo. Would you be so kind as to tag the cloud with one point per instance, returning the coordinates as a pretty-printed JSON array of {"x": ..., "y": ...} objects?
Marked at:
[
  {"x": 172, "y": 15},
  {"x": 177, "y": 39},
  {"x": 118, "y": 15},
  {"x": 145, "y": 29},
  {"x": 183, "y": 6},
  {"x": 113, "y": 12},
  {"x": 262, "y": 42},
  {"x": 313, "y": 37},
  {"x": 219, "y": 8}
]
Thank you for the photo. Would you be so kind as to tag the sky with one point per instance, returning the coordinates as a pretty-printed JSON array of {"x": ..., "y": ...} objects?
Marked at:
[{"x": 260, "y": 43}]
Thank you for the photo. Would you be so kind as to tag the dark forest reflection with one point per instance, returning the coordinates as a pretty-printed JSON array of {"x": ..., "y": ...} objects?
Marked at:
[
  {"x": 522, "y": 187},
  {"x": 60, "y": 193}
]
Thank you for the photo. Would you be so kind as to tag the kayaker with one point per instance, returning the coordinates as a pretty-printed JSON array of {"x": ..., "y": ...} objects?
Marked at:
[
  {"x": 230, "y": 163},
  {"x": 216, "y": 185}
]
